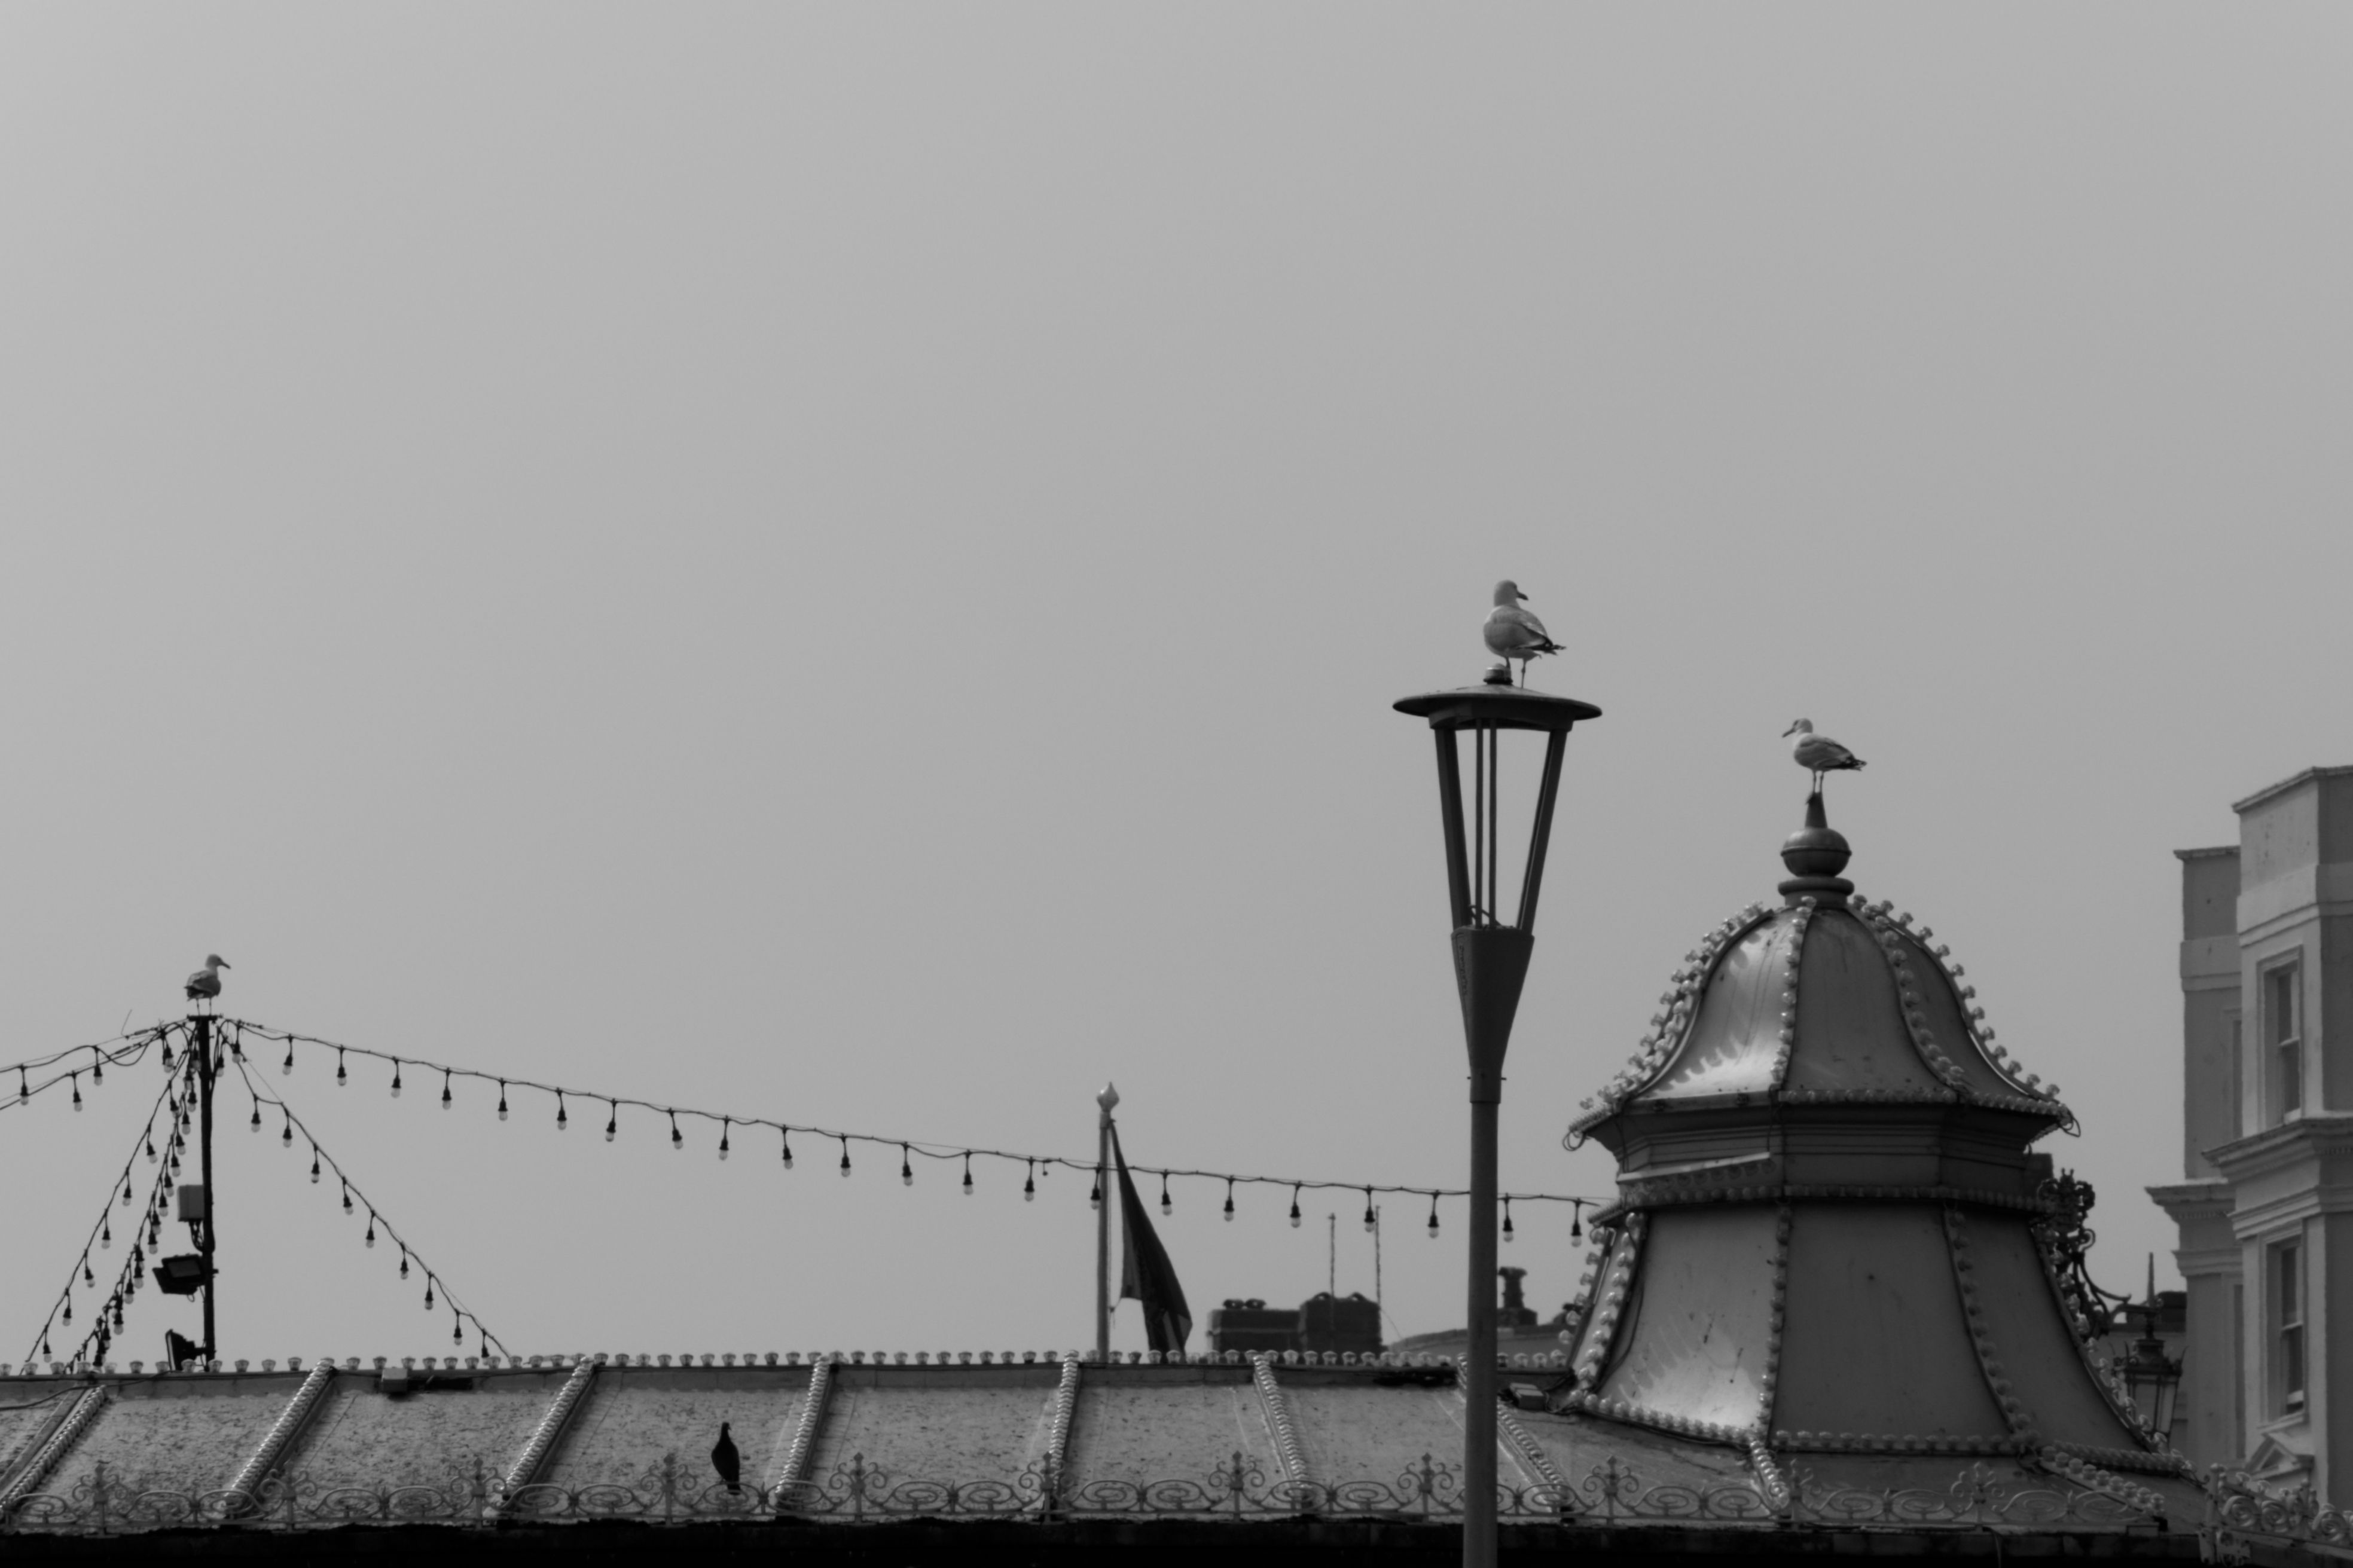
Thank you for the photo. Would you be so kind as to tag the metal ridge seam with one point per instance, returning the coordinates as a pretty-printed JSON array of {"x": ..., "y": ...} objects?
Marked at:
[
  {"x": 283, "y": 1430},
  {"x": 552, "y": 1423},
  {"x": 62, "y": 1438},
  {"x": 792, "y": 1468}
]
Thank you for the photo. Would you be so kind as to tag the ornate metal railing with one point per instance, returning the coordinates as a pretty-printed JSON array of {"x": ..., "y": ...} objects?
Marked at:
[
  {"x": 856, "y": 1492},
  {"x": 2237, "y": 1505}
]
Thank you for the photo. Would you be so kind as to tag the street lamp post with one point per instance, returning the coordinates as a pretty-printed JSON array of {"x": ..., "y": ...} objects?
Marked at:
[{"x": 1490, "y": 962}]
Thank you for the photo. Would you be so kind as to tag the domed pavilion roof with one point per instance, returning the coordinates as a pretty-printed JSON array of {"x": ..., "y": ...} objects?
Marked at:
[{"x": 1829, "y": 1249}]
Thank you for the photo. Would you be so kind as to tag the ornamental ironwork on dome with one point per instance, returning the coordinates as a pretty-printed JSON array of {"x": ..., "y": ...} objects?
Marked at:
[{"x": 1832, "y": 1249}]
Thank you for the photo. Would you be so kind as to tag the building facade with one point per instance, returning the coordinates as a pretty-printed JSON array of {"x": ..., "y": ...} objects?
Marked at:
[{"x": 2265, "y": 1207}]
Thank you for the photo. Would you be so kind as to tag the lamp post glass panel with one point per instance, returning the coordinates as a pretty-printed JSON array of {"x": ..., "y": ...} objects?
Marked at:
[{"x": 1490, "y": 962}]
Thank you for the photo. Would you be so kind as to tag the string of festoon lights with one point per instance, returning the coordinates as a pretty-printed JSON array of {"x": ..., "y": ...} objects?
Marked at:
[
  {"x": 176, "y": 1103},
  {"x": 729, "y": 1122},
  {"x": 354, "y": 1199},
  {"x": 179, "y": 1095},
  {"x": 123, "y": 1050},
  {"x": 168, "y": 1104}
]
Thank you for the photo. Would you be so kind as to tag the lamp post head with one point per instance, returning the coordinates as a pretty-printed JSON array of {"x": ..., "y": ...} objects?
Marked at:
[{"x": 1108, "y": 1099}]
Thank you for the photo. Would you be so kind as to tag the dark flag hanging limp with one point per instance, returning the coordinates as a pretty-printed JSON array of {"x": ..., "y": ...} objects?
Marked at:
[{"x": 1145, "y": 1273}]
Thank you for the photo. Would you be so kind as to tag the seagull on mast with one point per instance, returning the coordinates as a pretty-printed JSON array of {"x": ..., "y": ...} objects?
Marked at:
[
  {"x": 1512, "y": 632},
  {"x": 205, "y": 984},
  {"x": 1818, "y": 755}
]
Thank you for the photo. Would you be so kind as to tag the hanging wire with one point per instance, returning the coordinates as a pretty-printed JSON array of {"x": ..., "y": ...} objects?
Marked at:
[
  {"x": 376, "y": 1215},
  {"x": 100, "y": 1229},
  {"x": 1036, "y": 1163},
  {"x": 122, "y": 1050}
]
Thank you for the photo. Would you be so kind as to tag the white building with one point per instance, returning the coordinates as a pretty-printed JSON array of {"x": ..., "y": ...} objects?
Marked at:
[{"x": 2266, "y": 1212}]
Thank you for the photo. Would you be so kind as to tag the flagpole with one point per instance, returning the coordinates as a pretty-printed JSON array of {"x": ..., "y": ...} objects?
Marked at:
[{"x": 1106, "y": 1100}]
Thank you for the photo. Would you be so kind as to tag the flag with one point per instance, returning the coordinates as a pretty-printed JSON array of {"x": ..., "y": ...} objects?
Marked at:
[{"x": 1145, "y": 1273}]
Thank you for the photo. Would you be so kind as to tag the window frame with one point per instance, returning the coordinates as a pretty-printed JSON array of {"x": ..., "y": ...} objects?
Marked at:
[
  {"x": 2286, "y": 1284},
  {"x": 2281, "y": 979}
]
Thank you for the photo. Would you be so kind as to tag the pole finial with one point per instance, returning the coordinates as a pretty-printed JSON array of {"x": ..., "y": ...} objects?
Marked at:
[{"x": 1108, "y": 1099}]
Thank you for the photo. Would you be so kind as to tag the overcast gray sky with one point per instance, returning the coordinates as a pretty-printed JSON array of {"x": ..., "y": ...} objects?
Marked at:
[{"x": 850, "y": 563}]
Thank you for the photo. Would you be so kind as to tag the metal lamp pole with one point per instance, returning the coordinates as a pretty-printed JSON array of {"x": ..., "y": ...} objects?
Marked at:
[
  {"x": 1490, "y": 962},
  {"x": 202, "y": 1024}
]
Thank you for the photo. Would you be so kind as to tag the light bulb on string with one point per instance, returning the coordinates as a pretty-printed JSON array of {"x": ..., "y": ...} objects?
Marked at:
[
  {"x": 1094, "y": 1193},
  {"x": 343, "y": 1073},
  {"x": 126, "y": 1189},
  {"x": 1229, "y": 1200},
  {"x": 237, "y": 1042},
  {"x": 22, "y": 1092},
  {"x": 286, "y": 1067},
  {"x": 968, "y": 1173},
  {"x": 1576, "y": 1222},
  {"x": 68, "y": 1310},
  {"x": 612, "y": 1118},
  {"x": 1371, "y": 1219},
  {"x": 845, "y": 1157},
  {"x": 150, "y": 1143},
  {"x": 1030, "y": 1185},
  {"x": 96, "y": 1066},
  {"x": 457, "y": 1330},
  {"x": 1166, "y": 1206},
  {"x": 404, "y": 1263},
  {"x": 1507, "y": 1220},
  {"x": 254, "y": 1124},
  {"x": 167, "y": 1050},
  {"x": 395, "y": 1078},
  {"x": 445, "y": 1102},
  {"x": 677, "y": 1139},
  {"x": 314, "y": 1166},
  {"x": 87, "y": 1277},
  {"x": 76, "y": 1090},
  {"x": 105, "y": 1234},
  {"x": 1295, "y": 1208},
  {"x": 502, "y": 1100},
  {"x": 428, "y": 1292},
  {"x": 906, "y": 1171},
  {"x": 370, "y": 1229},
  {"x": 1433, "y": 1217},
  {"x": 287, "y": 1137},
  {"x": 723, "y": 1137},
  {"x": 563, "y": 1123},
  {"x": 787, "y": 1137}
]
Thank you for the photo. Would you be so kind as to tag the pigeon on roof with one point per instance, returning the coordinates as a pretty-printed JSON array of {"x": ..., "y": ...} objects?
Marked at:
[
  {"x": 1818, "y": 755},
  {"x": 727, "y": 1461},
  {"x": 1512, "y": 632},
  {"x": 205, "y": 984}
]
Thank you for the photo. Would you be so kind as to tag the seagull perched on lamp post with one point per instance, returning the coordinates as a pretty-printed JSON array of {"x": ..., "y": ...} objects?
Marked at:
[
  {"x": 205, "y": 984},
  {"x": 1512, "y": 632},
  {"x": 1818, "y": 755}
]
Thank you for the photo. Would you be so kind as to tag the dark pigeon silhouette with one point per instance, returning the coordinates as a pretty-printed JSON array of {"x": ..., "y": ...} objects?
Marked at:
[{"x": 727, "y": 1461}]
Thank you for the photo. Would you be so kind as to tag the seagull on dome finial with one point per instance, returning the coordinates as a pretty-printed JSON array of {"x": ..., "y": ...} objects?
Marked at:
[
  {"x": 1512, "y": 632},
  {"x": 205, "y": 984},
  {"x": 1818, "y": 755}
]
